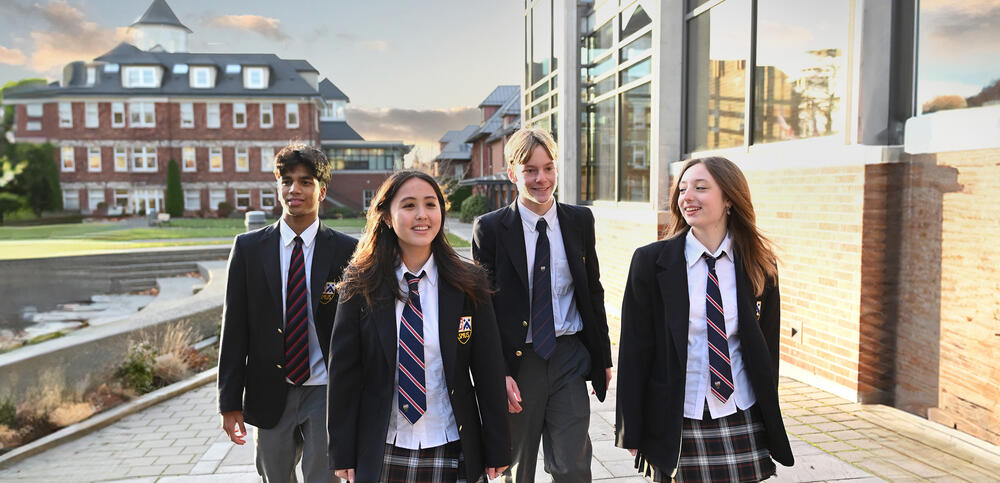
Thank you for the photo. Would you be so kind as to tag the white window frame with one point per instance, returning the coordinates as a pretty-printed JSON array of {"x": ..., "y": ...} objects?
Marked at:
[
  {"x": 144, "y": 159},
  {"x": 255, "y": 78},
  {"x": 121, "y": 159},
  {"x": 65, "y": 114},
  {"x": 94, "y": 153},
  {"x": 242, "y": 153},
  {"x": 267, "y": 159},
  {"x": 266, "y": 108},
  {"x": 118, "y": 109},
  {"x": 187, "y": 115},
  {"x": 91, "y": 75},
  {"x": 34, "y": 110},
  {"x": 213, "y": 118},
  {"x": 139, "y": 76},
  {"x": 67, "y": 159},
  {"x": 212, "y": 154},
  {"x": 216, "y": 196},
  {"x": 239, "y": 108},
  {"x": 73, "y": 194},
  {"x": 189, "y": 159},
  {"x": 366, "y": 198},
  {"x": 192, "y": 200},
  {"x": 243, "y": 194},
  {"x": 268, "y": 198},
  {"x": 94, "y": 198},
  {"x": 290, "y": 109},
  {"x": 199, "y": 82},
  {"x": 142, "y": 114},
  {"x": 91, "y": 116}
]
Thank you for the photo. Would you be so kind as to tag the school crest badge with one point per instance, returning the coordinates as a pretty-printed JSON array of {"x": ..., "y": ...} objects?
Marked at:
[
  {"x": 329, "y": 291},
  {"x": 465, "y": 329},
  {"x": 758, "y": 310}
]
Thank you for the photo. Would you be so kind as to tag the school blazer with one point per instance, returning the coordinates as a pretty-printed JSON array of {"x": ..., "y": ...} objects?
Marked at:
[
  {"x": 252, "y": 351},
  {"x": 362, "y": 382},
  {"x": 652, "y": 358},
  {"x": 498, "y": 244}
]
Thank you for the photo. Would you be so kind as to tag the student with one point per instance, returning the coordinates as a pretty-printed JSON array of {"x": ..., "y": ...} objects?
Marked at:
[
  {"x": 276, "y": 325},
  {"x": 549, "y": 304},
  {"x": 698, "y": 360},
  {"x": 413, "y": 322}
]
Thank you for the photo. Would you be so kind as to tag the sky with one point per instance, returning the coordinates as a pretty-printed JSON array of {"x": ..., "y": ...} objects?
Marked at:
[{"x": 412, "y": 69}]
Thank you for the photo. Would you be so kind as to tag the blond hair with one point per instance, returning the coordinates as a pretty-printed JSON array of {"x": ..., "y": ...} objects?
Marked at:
[{"x": 523, "y": 142}]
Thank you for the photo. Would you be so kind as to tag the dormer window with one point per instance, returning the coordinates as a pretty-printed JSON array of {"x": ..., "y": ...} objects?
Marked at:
[
  {"x": 255, "y": 78},
  {"x": 232, "y": 68},
  {"x": 333, "y": 111},
  {"x": 91, "y": 75},
  {"x": 140, "y": 76},
  {"x": 180, "y": 69},
  {"x": 110, "y": 68},
  {"x": 202, "y": 77}
]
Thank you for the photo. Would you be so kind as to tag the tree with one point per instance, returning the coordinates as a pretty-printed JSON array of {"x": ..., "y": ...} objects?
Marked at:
[
  {"x": 174, "y": 196},
  {"x": 38, "y": 183},
  {"x": 9, "y": 203}
]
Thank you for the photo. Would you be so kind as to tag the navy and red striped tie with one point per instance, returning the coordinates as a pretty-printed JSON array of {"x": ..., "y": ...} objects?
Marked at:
[
  {"x": 297, "y": 319},
  {"x": 412, "y": 387},
  {"x": 718, "y": 344},
  {"x": 543, "y": 330}
]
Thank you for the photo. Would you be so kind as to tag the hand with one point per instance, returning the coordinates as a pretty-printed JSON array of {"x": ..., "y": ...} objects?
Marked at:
[
  {"x": 347, "y": 474},
  {"x": 232, "y": 424},
  {"x": 513, "y": 396},
  {"x": 607, "y": 380},
  {"x": 494, "y": 473},
  {"x": 632, "y": 452}
]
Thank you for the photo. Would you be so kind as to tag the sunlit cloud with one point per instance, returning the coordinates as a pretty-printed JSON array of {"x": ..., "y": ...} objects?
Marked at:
[
  {"x": 374, "y": 45},
  {"x": 11, "y": 56},
  {"x": 260, "y": 25}
]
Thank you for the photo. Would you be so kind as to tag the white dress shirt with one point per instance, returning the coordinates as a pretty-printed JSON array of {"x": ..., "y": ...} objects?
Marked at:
[
  {"x": 566, "y": 318},
  {"x": 437, "y": 425},
  {"x": 317, "y": 365},
  {"x": 697, "y": 393}
]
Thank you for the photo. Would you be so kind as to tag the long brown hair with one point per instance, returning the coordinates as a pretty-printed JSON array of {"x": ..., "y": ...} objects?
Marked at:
[
  {"x": 375, "y": 259},
  {"x": 753, "y": 249}
]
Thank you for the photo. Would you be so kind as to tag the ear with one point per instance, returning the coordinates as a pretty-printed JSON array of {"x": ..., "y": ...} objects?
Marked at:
[
  {"x": 511, "y": 175},
  {"x": 322, "y": 194}
]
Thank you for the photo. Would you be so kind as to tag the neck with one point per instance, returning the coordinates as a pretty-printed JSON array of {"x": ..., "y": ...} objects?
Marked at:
[
  {"x": 298, "y": 224},
  {"x": 538, "y": 208},
  {"x": 711, "y": 237},
  {"x": 414, "y": 257}
]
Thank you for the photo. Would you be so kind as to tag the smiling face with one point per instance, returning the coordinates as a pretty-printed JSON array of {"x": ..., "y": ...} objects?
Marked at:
[
  {"x": 535, "y": 180},
  {"x": 415, "y": 214},
  {"x": 300, "y": 193},
  {"x": 701, "y": 201}
]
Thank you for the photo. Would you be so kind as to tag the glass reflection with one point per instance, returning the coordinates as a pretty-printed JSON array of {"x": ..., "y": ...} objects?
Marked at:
[
  {"x": 599, "y": 42},
  {"x": 634, "y": 19},
  {"x": 636, "y": 72},
  {"x": 597, "y": 171},
  {"x": 635, "y": 148},
  {"x": 637, "y": 48},
  {"x": 541, "y": 40}
]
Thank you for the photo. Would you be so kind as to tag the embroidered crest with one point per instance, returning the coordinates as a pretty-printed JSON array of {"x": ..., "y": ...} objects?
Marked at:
[
  {"x": 329, "y": 291},
  {"x": 758, "y": 310},
  {"x": 465, "y": 329}
]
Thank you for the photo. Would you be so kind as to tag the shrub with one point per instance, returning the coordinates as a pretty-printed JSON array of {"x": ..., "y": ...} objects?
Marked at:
[
  {"x": 472, "y": 207},
  {"x": 169, "y": 368},
  {"x": 224, "y": 209},
  {"x": 457, "y": 197},
  {"x": 341, "y": 212},
  {"x": 71, "y": 413},
  {"x": 136, "y": 372},
  {"x": 8, "y": 413},
  {"x": 174, "y": 196}
]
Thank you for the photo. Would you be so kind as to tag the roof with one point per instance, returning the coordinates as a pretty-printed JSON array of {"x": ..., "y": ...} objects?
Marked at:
[
  {"x": 494, "y": 179},
  {"x": 500, "y": 95},
  {"x": 159, "y": 13},
  {"x": 457, "y": 148},
  {"x": 302, "y": 65},
  {"x": 337, "y": 131},
  {"x": 330, "y": 92},
  {"x": 495, "y": 122}
]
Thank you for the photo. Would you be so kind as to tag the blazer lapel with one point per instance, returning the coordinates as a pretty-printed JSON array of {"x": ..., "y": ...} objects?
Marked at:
[
  {"x": 674, "y": 293},
  {"x": 574, "y": 254},
  {"x": 272, "y": 266},
  {"x": 322, "y": 255},
  {"x": 513, "y": 239},
  {"x": 450, "y": 303},
  {"x": 383, "y": 316}
]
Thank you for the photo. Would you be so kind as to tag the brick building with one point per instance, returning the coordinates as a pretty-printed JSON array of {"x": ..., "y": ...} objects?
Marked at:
[
  {"x": 118, "y": 120},
  {"x": 882, "y": 207}
]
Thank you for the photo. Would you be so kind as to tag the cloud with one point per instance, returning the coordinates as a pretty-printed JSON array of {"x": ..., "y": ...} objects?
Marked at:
[
  {"x": 11, "y": 56},
  {"x": 410, "y": 125},
  {"x": 374, "y": 45},
  {"x": 263, "y": 26}
]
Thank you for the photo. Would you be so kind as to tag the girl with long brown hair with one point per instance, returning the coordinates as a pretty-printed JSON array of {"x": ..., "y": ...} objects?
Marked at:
[
  {"x": 414, "y": 328},
  {"x": 698, "y": 361}
]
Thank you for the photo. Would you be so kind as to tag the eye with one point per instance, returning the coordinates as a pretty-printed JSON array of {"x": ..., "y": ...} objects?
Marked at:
[
  {"x": 701, "y": 188},
  {"x": 681, "y": 190}
]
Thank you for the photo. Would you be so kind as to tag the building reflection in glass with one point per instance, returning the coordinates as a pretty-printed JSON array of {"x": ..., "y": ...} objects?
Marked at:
[{"x": 635, "y": 148}]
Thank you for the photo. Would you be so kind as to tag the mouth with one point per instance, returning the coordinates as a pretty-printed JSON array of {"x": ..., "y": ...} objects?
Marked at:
[
  {"x": 691, "y": 210},
  {"x": 294, "y": 202},
  {"x": 422, "y": 229}
]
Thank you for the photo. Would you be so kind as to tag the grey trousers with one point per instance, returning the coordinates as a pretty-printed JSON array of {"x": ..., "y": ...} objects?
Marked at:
[
  {"x": 556, "y": 409},
  {"x": 300, "y": 435}
]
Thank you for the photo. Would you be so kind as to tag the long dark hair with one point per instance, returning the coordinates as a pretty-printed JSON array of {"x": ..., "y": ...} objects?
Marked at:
[
  {"x": 754, "y": 249},
  {"x": 374, "y": 262}
]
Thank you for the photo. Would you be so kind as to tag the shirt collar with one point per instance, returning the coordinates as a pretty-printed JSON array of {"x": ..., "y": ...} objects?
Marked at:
[
  {"x": 308, "y": 235},
  {"x": 693, "y": 249},
  {"x": 429, "y": 269},
  {"x": 530, "y": 218}
]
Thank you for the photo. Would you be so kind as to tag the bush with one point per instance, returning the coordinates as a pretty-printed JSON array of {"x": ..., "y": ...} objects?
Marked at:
[
  {"x": 170, "y": 368},
  {"x": 224, "y": 209},
  {"x": 174, "y": 203},
  {"x": 8, "y": 413},
  {"x": 457, "y": 197},
  {"x": 472, "y": 207},
  {"x": 10, "y": 203},
  {"x": 341, "y": 212},
  {"x": 136, "y": 372},
  {"x": 71, "y": 413}
]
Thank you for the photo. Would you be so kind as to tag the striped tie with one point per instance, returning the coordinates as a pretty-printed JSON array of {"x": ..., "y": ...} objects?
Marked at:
[
  {"x": 718, "y": 344},
  {"x": 297, "y": 319},
  {"x": 543, "y": 329},
  {"x": 412, "y": 392}
]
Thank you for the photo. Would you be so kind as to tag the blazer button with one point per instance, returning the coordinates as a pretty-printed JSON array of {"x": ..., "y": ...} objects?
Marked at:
[
  {"x": 518, "y": 353},
  {"x": 460, "y": 428},
  {"x": 279, "y": 331},
  {"x": 524, "y": 323},
  {"x": 278, "y": 366},
  {"x": 451, "y": 392}
]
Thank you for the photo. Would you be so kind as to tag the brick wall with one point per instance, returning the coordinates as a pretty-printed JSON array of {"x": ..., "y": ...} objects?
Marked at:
[{"x": 347, "y": 188}]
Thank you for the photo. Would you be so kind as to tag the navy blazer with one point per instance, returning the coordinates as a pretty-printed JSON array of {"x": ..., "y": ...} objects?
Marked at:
[{"x": 652, "y": 358}]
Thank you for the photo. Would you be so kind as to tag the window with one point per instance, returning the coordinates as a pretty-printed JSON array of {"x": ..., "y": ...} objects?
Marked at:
[
  {"x": 366, "y": 198},
  {"x": 68, "y": 161},
  {"x": 242, "y": 199},
  {"x": 374, "y": 159},
  {"x": 180, "y": 69},
  {"x": 117, "y": 114},
  {"x": 255, "y": 78},
  {"x": 291, "y": 115},
  {"x": 597, "y": 173},
  {"x": 144, "y": 159},
  {"x": 140, "y": 76},
  {"x": 633, "y": 19},
  {"x": 239, "y": 114},
  {"x": 94, "y": 198},
  {"x": 267, "y": 198},
  {"x": 216, "y": 196},
  {"x": 187, "y": 114},
  {"x": 94, "y": 159},
  {"x": 33, "y": 126},
  {"x": 636, "y": 121},
  {"x": 121, "y": 159},
  {"x": 121, "y": 198},
  {"x": 242, "y": 159},
  {"x": 34, "y": 110},
  {"x": 266, "y": 115},
  {"x": 541, "y": 40},
  {"x": 232, "y": 68},
  {"x": 65, "y": 114},
  {"x": 192, "y": 200},
  {"x": 637, "y": 48},
  {"x": 215, "y": 159},
  {"x": 188, "y": 163},
  {"x": 636, "y": 72},
  {"x": 110, "y": 68},
  {"x": 142, "y": 114},
  {"x": 201, "y": 77},
  {"x": 92, "y": 78},
  {"x": 266, "y": 159},
  {"x": 212, "y": 114},
  {"x": 333, "y": 111},
  {"x": 90, "y": 118},
  {"x": 71, "y": 199}
]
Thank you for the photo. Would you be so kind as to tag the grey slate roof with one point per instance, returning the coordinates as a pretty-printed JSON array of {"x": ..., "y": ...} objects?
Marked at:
[
  {"x": 500, "y": 95},
  {"x": 337, "y": 131},
  {"x": 159, "y": 13},
  {"x": 330, "y": 92},
  {"x": 495, "y": 122},
  {"x": 457, "y": 148},
  {"x": 302, "y": 65}
]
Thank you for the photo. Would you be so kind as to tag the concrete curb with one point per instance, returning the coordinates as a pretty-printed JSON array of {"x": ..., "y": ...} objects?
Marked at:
[{"x": 106, "y": 418}]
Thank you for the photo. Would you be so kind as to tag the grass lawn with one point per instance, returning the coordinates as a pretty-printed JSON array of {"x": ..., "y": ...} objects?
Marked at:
[
  {"x": 11, "y": 250},
  {"x": 456, "y": 241}
]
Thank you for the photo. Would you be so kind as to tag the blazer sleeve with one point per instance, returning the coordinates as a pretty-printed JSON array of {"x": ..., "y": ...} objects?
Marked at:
[
  {"x": 596, "y": 289},
  {"x": 635, "y": 352},
  {"x": 483, "y": 246},
  {"x": 770, "y": 325},
  {"x": 235, "y": 336},
  {"x": 491, "y": 391},
  {"x": 345, "y": 385}
]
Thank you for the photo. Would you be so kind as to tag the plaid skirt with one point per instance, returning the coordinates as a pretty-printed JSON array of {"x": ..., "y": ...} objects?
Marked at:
[
  {"x": 440, "y": 464},
  {"x": 732, "y": 448}
]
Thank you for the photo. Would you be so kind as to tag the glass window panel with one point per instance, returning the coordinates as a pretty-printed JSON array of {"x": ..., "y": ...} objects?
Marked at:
[
  {"x": 693, "y": 4},
  {"x": 958, "y": 63},
  {"x": 637, "y": 48},
  {"x": 605, "y": 66},
  {"x": 716, "y": 82},
  {"x": 801, "y": 69},
  {"x": 558, "y": 33},
  {"x": 605, "y": 86},
  {"x": 597, "y": 179},
  {"x": 636, "y": 122},
  {"x": 213, "y": 118},
  {"x": 600, "y": 41},
  {"x": 540, "y": 91},
  {"x": 636, "y": 72},
  {"x": 539, "y": 108},
  {"x": 188, "y": 159},
  {"x": 215, "y": 159},
  {"x": 541, "y": 40},
  {"x": 633, "y": 19}
]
